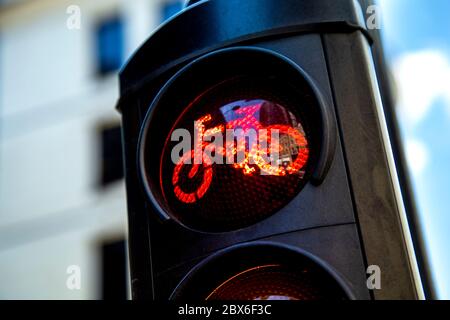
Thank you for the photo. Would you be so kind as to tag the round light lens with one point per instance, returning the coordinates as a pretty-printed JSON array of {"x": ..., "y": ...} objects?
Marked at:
[
  {"x": 274, "y": 282},
  {"x": 238, "y": 153},
  {"x": 261, "y": 271}
]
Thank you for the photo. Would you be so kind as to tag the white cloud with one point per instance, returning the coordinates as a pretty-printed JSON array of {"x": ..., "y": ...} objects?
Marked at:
[
  {"x": 422, "y": 78},
  {"x": 417, "y": 156}
]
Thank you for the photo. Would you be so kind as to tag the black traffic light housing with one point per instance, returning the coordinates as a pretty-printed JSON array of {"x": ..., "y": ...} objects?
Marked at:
[{"x": 349, "y": 213}]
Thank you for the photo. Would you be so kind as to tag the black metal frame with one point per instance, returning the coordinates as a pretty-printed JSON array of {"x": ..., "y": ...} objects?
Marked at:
[{"x": 321, "y": 37}]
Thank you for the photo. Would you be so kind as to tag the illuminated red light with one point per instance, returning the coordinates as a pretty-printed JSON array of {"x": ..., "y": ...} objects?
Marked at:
[
  {"x": 192, "y": 197},
  {"x": 255, "y": 177},
  {"x": 252, "y": 152}
]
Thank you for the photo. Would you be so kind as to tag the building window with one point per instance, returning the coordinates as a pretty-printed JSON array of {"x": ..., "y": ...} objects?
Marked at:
[
  {"x": 110, "y": 45},
  {"x": 111, "y": 155},
  {"x": 114, "y": 271},
  {"x": 171, "y": 8}
]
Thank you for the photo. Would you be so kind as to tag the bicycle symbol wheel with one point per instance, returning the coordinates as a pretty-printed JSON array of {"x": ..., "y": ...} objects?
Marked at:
[{"x": 205, "y": 169}]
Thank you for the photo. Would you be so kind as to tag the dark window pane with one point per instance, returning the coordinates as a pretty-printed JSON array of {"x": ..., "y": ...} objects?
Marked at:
[
  {"x": 110, "y": 45},
  {"x": 111, "y": 155},
  {"x": 114, "y": 274}
]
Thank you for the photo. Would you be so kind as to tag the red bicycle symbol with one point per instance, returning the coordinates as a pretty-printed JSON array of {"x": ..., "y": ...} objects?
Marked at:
[{"x": 255, "y": 154}]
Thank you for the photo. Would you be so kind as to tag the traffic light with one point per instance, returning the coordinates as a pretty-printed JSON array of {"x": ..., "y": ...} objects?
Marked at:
[{"x": 258, "y": 162}]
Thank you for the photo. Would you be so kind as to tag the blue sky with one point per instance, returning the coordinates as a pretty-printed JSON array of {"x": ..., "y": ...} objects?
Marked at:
[{"x": 417, "y": 40}]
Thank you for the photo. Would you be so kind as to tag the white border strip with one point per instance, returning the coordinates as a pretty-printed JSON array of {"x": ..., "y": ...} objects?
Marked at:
[{"x": 394, "y": 175}]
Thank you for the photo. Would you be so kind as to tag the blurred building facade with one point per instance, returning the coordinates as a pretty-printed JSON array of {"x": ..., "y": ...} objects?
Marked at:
[{"x": 62, "y": 196}]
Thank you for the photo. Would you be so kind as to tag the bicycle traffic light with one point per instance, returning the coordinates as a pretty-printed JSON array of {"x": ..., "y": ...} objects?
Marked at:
[{"x": 258, "y": 164}]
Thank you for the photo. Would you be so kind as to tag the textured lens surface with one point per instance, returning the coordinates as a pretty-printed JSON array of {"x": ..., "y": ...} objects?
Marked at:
[
  {"x": 224, "y": 183},
  {"x": 275, "y": 282}
]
